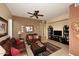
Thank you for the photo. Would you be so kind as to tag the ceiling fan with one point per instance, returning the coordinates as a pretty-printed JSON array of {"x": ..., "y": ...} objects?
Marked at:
[{"x": 36, "y": 14}]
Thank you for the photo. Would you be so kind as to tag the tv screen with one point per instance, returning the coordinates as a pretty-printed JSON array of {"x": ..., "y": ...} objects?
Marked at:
[{"x": 59, "y": 33}]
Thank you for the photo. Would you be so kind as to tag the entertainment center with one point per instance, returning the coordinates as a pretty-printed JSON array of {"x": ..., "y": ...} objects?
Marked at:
[{"x": 59, "y": 35}]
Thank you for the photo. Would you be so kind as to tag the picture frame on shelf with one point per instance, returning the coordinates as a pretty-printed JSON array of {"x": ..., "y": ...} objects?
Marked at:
[{"x": 29, "y": 28}]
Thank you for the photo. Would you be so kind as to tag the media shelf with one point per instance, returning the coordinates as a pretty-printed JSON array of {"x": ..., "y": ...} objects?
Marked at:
[
  {"x": 50, "y": 32},
  {"x": 56, "y": 38},
  {"x": 57, "y": 34},
  {"x": 66, "y": 34}
]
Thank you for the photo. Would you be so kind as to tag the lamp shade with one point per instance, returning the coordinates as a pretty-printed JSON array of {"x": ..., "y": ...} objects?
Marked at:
[
  {"x": 22, "y": 28},
  {"x": 19, "y": 32}
]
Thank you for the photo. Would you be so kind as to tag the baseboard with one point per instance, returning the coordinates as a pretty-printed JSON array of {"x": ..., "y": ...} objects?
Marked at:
[{"x": 71, "y": 54}]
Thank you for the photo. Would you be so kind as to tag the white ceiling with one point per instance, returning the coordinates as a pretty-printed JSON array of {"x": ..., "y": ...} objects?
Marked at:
[{"x": 49, "y": 10}]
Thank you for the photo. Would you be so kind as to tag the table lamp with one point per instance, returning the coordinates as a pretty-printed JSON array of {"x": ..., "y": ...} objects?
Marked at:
[{"x": 19, "y": 33}]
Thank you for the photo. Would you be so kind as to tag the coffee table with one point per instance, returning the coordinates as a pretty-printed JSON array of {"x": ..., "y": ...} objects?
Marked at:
[{"x": 37, "y": 49}]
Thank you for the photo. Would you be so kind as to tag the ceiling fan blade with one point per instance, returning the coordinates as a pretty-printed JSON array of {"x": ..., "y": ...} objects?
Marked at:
[
  {"x": 36, "y": 17},
  {"x": 31, "y": 16},
  {"x": 30, "y": 13},
  {"x": 40, "y": 15}
]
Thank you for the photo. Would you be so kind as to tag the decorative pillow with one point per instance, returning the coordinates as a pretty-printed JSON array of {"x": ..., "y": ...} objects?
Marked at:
[
  {"x": 36, "y": 36},
  {"x": 30, "y": 37},
  {"x": 18, "y": 41},
  {"x": 14, "y": 51},
  {"x": 39, "y": 43}
]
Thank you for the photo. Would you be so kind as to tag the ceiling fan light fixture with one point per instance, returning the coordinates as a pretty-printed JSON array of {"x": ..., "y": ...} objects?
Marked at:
[{"x": 36, "y": 14}]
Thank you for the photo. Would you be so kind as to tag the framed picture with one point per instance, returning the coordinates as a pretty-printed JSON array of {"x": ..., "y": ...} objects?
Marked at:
[
  {"x": 3, "y": 27},
  {"x": 29, "y": 28}
]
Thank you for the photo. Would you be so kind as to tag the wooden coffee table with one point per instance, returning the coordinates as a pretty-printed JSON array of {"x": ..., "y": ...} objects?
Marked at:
[{"x": 37, "y": 49}]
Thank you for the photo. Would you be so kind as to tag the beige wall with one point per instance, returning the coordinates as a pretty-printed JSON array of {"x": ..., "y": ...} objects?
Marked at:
[
  {"x": 74, "y": 34},
  {"x": 57, "y": 23},
  {"x": 5, "y": 13},
  {"x": 21, "y": 21}
]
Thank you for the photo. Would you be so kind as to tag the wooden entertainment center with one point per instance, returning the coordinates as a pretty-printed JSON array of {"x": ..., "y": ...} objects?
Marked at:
[{"x": 57, "y": 34}]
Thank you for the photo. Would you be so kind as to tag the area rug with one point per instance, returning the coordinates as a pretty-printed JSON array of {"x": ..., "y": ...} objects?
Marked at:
[{"x": 50, "y": 48}]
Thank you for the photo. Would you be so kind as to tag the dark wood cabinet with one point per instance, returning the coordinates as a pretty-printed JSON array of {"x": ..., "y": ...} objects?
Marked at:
[
  {"x": 66, "y": 34},
  {"x": 55, "y": 34},
  {"x": 50, "y": 32}
]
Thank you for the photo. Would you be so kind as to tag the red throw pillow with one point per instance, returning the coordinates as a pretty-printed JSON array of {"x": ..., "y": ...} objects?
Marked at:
[
  {"x": 30, "y": 37},
  {"x": 36, "y": 36},
  {"x": 14, "y": 51},
  {"x": 18, "y": 41}
]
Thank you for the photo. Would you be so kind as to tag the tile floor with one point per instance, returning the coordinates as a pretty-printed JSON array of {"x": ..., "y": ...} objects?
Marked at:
[{"x": 64, "y": 51}]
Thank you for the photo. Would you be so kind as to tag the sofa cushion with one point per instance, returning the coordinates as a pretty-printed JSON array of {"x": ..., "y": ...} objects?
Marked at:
[
  {"x": 4, "y": 41},
  {"x": 7, "y": 47},
  {"x": 13, "y": 42},
  {"x": 30, "y": 37},
  {"x": 14, "y": 51},
  {"x": 36, "y": 37},
  {"x": 18, "y": 42}
]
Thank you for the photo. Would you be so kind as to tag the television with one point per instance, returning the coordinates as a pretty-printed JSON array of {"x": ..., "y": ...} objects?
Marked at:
[{"x": 58, "y": 33}]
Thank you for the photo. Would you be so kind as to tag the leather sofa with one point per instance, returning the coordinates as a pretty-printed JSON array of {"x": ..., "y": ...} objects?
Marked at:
[
  {"x": 8, "y": 43},
  {"x": 33, "y": 40}
]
